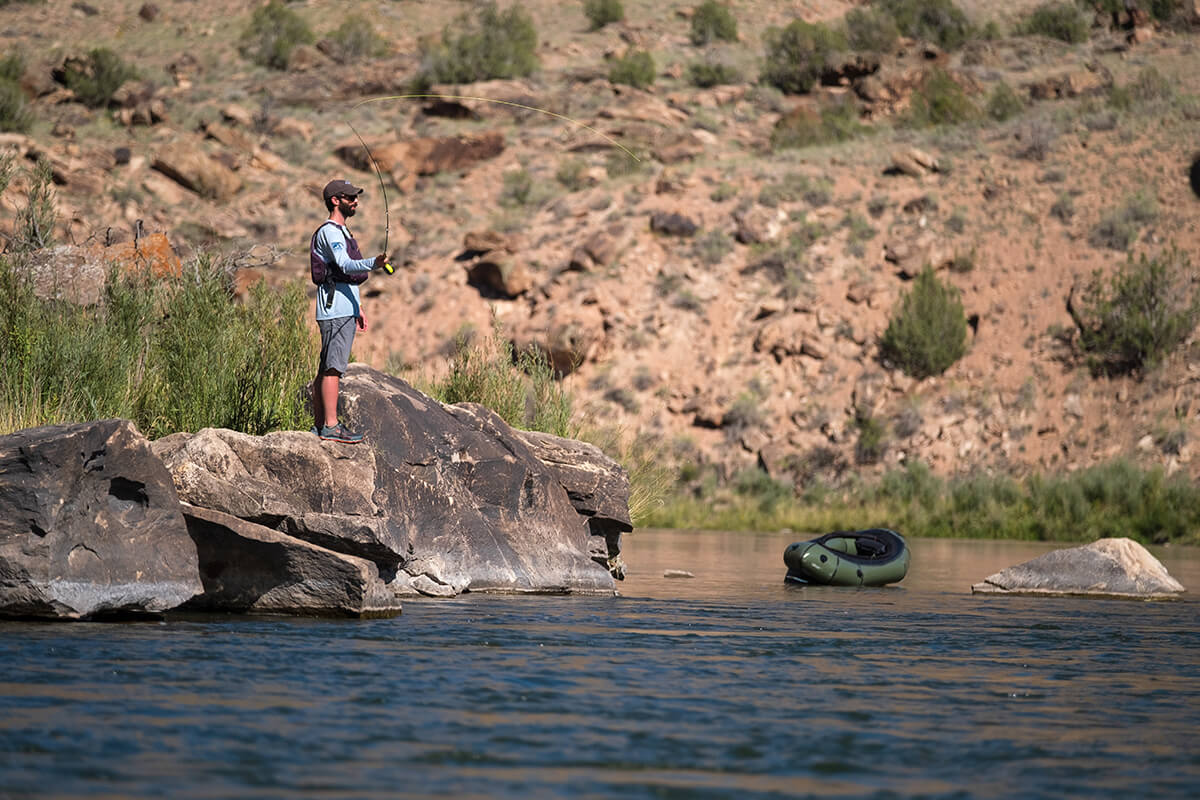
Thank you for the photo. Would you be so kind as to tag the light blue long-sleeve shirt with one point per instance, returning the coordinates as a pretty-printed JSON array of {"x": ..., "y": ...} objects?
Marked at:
[{"x": 331, "y": 247}]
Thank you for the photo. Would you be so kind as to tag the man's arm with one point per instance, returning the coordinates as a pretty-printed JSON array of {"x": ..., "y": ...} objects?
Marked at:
[{"x": 331, "y": 245}]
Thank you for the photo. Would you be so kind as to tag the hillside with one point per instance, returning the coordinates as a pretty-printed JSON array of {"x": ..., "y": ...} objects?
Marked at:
[{"x": 717, "y": 296}]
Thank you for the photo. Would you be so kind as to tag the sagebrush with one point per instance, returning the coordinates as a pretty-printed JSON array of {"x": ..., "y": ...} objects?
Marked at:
[
  {"x": 1131, "y": 320},
  {"x": 927, "y": 330},
  {"x": 493, "y": 44},
  {"x": 713, "y": 21},
  {"x": 96, "y": 78},
  {"x": 273, "y": 33},
  {"x": 603, "y": 12},
  {"x": 796, "y": 56}
]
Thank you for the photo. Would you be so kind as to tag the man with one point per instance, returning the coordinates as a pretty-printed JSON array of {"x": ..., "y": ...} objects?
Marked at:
[{"x": 334, "y": 255}]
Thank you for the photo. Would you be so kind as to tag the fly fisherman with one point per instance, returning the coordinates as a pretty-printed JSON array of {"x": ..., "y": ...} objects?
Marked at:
[{"x": 337, "y": 269}]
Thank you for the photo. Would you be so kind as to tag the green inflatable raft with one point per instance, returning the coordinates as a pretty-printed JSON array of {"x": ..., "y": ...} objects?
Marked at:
[{"x": 873, "y": 557}]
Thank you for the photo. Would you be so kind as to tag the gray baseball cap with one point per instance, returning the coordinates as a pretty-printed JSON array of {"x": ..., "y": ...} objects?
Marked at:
[{"x": 334, "y": 188}]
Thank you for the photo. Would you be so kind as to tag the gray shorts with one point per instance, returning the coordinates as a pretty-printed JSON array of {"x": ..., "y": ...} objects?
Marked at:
[{"x": 337, "y": 337}]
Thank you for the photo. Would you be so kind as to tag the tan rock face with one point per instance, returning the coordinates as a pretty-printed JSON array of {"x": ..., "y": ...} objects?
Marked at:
[
  {"x": 193, "y": 169},
  {"x": 407, "y": 160}
]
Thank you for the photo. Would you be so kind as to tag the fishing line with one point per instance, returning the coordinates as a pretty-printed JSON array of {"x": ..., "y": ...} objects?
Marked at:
[{"x": 424, "y": 96}]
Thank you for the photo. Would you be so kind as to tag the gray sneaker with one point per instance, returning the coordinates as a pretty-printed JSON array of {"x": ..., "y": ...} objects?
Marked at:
[{"x": 340, "y": 433}]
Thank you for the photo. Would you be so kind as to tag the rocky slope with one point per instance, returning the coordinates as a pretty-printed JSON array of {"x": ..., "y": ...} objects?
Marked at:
[{"x": 717, "y": 297}]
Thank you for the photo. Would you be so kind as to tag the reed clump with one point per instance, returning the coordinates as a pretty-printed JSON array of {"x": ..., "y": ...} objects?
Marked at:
[{"x": 172, "y": 353}]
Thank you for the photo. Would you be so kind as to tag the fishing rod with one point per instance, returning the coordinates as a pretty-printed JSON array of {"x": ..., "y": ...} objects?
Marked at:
[
  {"x": 387, "y": 267},
  {"x": 387, "y": 224}
]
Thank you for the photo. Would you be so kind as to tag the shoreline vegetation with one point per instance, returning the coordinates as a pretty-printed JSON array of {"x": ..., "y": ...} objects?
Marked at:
[{"x": 178, "y": 353}]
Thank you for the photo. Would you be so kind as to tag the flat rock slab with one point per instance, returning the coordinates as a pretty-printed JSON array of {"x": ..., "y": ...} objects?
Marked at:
[
  {"x": 90, "y": 525},
  {"x": 1104, "y": 568},
  {"x": 249, "y": 568}
]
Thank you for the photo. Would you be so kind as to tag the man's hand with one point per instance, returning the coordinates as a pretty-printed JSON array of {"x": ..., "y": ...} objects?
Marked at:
[
  {"x": 380, "y": 260},
  {"x": 362, "y": 321}
]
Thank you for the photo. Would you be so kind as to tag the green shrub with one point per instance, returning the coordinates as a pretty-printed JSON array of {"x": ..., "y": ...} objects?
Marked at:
[
  {"x": 356, "y": 39},
  {"x": 1120, "y": 98},
  {"x": 1119, "y": 228},
  {"x": 837, "y": 122},
  {"x": 494, "y": 45},
  {"x": 939, "y": 21},
  {"x": 791, "y": 187},
  {"x": 603, "y": 12},
  {"x": 712, "y": 247},
  {"x": 12, "y": 67},
  {"x": 871, "y": 444},
  {"x": 940, "y": 101},
  {"x": 927, "y": 331},
  {"x": 636, "y": 68},
  {"x": 520, "y": 387},
  {"x": 1131, "y": 320},
  {"x": 273, "y": 33},
  {"x": 1004, "y": 103},
  {"x": 713, "y": 21},
  {"x": 520, "y": 189},
  {"x": 705, "y": 74},
  {"x": 37, "y": 218},
  {"x": 871, "y": 30},
  {"x": 1164, "y": 10},
  {"x": 1063, "y": 208},
  {"x": 570, "y": 173},
  {"x": 796, "y": 56},
  {"x": 97, "y": 77},
  {"x": 1151, "y": 85},
  {"x": 7, "y": 168},
  {"x": 171, "y": 353},
  {"x": 1058, "y": 20},
  {"x": 767, "y": 492},
  {"x": 14, "y": 111}
]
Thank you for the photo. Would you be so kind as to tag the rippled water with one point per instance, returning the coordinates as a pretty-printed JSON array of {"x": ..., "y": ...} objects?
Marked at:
[{"x": 727, "y": 684}]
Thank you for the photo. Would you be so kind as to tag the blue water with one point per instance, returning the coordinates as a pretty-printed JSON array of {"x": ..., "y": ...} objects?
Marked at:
[{"x": 729, "y": 684}]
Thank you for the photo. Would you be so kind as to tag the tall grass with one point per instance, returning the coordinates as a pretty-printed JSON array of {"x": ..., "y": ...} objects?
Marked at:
[
  {"x": 1113, "y": 499},
  {"x": 171, "y": 354},
  {"x": 520, "y": 387}
]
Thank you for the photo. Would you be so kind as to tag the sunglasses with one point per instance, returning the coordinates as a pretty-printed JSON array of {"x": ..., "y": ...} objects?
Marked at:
[{"x": 353, "y": 197}]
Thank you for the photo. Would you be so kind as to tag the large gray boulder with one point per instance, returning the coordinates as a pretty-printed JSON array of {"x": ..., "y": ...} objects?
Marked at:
[
  {"x": 90, "y": 525},
  {"x": 1106, "y": 567},
  {"x": 251, "y": 568},
  {"x": 444, "y": 499},
  {"x": 290, "y": 481}
]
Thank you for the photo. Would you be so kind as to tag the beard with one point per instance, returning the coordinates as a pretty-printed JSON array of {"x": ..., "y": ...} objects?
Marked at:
[{"x": 348, "y": 209}]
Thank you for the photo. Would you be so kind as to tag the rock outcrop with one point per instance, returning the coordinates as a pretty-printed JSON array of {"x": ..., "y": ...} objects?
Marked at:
[
  {"x": 442, "y": 499},
  {"x": 249, "y": 567},
  {"x": 1106, "y": 567},
  {"x": 477, "y": 507},
  {"x": 90, "y": 525}
]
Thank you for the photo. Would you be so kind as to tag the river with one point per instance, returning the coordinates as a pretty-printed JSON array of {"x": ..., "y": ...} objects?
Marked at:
[{"x": 726, "y": 684}]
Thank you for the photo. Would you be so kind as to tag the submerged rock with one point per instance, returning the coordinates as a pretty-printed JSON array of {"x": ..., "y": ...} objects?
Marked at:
[
  {"x": 90, "y": 525},
  {"x": 1106, "y": 568}
]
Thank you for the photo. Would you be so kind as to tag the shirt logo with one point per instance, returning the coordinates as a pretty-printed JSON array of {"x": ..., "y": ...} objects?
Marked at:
[{"x": 337, "y": 246}]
